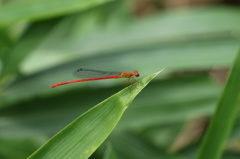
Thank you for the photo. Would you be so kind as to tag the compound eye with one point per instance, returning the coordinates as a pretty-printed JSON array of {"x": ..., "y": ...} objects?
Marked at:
[{"x": 136, "y": 73}]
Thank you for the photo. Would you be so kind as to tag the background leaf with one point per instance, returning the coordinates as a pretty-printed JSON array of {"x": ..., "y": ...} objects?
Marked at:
[
  {"x": 40, "y": 9},
  {"x": 224, "y": 117}
]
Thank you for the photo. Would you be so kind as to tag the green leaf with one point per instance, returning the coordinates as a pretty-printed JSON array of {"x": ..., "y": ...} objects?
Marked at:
[
  {"x": 84, "y": 135},
  {"x": 109, "y": 153},
  {"x": 17, "y": 148},
  {"x": 131, "y": 146},
  {"x": 223, "y": 120},
  {"x": 201, "y": 28},
  {"x": 40, "y": 9},
  {"x": 28, "y": 42}
]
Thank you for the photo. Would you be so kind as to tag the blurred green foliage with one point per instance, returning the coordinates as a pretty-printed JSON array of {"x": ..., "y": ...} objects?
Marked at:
[{"x": 42, "y": 42}]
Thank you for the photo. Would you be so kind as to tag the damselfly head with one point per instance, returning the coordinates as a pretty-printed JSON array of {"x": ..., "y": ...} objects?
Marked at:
[{"x": 135, "y": 72}]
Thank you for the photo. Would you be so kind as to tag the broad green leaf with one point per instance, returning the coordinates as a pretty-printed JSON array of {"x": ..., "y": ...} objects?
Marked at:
[
  {"x": 84, "y": 135},
  {"x": 144, "y": 38},
  {"x": 223, "y": 119},
  {"x": 40, "y": 9}
]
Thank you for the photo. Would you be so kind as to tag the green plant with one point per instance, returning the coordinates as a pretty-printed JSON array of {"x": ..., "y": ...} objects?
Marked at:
[{"x": 42, "y": 42}]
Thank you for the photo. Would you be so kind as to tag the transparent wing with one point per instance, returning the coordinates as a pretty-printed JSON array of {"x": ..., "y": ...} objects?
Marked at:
[{"x": 83, "y": 73}]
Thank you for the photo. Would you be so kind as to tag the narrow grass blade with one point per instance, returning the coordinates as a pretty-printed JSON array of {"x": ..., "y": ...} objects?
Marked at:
[
  {"x": 223, "y": 120},
  {"x": 84, "y": 135}
]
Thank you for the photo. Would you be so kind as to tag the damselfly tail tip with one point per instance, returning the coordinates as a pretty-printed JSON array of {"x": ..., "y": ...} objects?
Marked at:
[{"x": 52, "y": 86}]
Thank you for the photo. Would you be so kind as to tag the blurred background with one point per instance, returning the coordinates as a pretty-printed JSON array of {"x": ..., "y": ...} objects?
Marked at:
[{"x": 42, "y": 42}]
